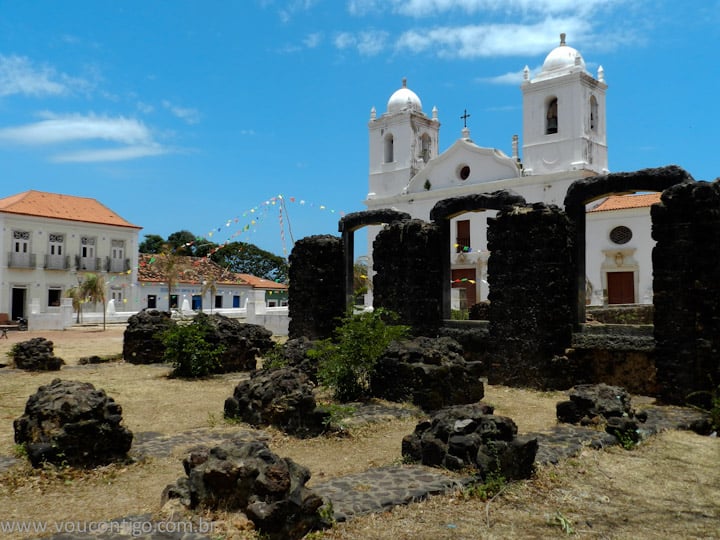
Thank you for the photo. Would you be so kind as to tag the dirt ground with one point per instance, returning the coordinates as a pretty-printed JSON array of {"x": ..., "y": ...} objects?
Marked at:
[{"x": 668, "y": 487}]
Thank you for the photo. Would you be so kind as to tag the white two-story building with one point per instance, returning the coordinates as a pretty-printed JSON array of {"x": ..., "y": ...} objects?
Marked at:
[{"x": 50, "y": 241}]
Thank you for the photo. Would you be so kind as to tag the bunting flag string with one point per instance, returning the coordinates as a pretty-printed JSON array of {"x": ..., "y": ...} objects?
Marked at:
[{"x": 248, "y": 221}]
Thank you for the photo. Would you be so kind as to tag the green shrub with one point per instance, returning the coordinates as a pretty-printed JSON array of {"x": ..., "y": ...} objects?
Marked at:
[
  {"x": 346, "y": 361},
  {"x": 188, "y": 351}
]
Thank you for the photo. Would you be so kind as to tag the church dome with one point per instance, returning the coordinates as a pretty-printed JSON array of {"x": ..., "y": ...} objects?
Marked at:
[
  {"x": 404, "y": 99},
  {"x": 562, "y": 59}
]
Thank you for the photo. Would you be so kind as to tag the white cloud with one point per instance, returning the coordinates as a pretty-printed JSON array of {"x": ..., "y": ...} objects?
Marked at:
[
  {"x": 131, "y": 137},
  {"x": 295, "y": 6},
  {"x": 57, "y": 129},
  {"x": 513, "y": 77},
  {"x": 428, "y": 8},
  {"x": 19, "y": 76},
  {"x": 475, "y": 41},
  {"x": 313, "y": 40},
  {"x": 190, "y": 116},
  {"x": 368, "y": 43},
  {"x": 110, "y": 154}
]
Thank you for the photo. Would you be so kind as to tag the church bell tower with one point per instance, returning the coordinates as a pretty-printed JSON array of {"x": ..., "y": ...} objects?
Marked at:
[
  {"x": 564, "y": 125},
  {"x": 402, "y": 141}
]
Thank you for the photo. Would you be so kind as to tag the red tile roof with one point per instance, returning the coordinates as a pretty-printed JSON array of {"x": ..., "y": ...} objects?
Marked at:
[
  {"x": 196, "y": 270},
  {"x": 623, "y": 202},
  {"x": 66, "y": 207}
]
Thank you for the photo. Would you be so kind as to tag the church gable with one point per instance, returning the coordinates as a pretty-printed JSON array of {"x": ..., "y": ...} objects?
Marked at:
[{"x": 463, "y": 164}]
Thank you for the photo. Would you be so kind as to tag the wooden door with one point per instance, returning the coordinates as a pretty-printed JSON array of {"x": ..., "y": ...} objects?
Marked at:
[
  {"x": 621, "y": 287},
  {"x": 465, "y": 278}
]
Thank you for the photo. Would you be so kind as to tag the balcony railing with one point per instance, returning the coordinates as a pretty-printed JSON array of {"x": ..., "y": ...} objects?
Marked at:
[
  {"x": 117, "y": 265},
  {"x": 21, "y": 260},
  {"x": 89, "y": 264},
  {"x": 57, "y": 262}
]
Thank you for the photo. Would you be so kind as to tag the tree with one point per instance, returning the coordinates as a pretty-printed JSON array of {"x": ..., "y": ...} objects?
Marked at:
[
  {"x": 153, "y": 243},
  {"x": 93, "y": 288},
  {"x": 210, "y": 286},
  {"x": 243, "y": 258},
  {"x": 181, "y": 242},
  {"x": 169, "y": 264},
  {"x": 77, "y": 300}
]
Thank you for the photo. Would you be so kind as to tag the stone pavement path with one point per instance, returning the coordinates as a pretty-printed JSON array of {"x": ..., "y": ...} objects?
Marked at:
[{"x": 378, "y": 489}]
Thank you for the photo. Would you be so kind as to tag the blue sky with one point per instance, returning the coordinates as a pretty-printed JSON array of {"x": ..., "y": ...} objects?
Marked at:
[{"x": 247, "y": 120}]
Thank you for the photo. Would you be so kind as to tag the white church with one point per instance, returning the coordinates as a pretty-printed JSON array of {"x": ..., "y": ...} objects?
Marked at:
[{"x": 564, "y": 139}]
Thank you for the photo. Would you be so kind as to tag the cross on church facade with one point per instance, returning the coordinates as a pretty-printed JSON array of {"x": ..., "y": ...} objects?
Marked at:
[{"x": 464, "y": 118}]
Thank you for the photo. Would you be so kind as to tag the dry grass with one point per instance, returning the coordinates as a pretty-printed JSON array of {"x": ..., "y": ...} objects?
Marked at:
[{"x": 666, "y": 488}]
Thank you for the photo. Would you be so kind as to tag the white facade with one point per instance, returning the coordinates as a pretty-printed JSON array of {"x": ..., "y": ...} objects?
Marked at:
[
  {"x": 564, "y": 139},
  {"x": 41, "y": 258}
]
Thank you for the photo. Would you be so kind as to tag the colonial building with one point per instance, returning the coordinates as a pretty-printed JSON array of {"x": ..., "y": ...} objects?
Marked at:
[
  {"x": 199, "y": 284},
  {"x": 564, "y": 139},
  {"x": 49, "y": 241}
]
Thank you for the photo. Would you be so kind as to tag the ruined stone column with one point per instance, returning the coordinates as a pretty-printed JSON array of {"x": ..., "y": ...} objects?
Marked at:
[
  {"x": 531, "y": 305},
  {"x": 407, "y": 258},
  {"x": 686, "y": 291},
  {"x": 316, "y": 295}
]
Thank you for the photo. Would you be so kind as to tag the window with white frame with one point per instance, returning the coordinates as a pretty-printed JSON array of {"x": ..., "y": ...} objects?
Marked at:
[{"x": 54, "y": 296}]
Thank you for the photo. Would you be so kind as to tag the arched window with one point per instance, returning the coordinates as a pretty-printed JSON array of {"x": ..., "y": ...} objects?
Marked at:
[
  {"x": 593, "y": 114},
  {"x": 425, "y": 147},
  {"x": 551, "y": 117},
  {"x": 389, "y": 150}
]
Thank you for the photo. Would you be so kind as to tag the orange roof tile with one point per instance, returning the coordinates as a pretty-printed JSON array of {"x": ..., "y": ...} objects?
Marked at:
[
  {"x": 623, "y": 202},
  {"x": 197, "y": 270},
  {"x": 262, "y": 283},
  {"x": 66, "y": 207}
]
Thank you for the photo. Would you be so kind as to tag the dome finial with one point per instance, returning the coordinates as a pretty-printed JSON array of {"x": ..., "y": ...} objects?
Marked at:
[
  {"x": 562, "y": 38},
  {"x": 404, "y": 82}
]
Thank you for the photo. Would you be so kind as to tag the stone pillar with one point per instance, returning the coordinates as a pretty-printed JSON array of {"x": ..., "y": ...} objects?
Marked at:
[
  {"x": 686, "y": 291},
  {"x": 316, "y": 294},
  {"x": 407, "y": 259},
  {"x": 531, "y": 301},
  {"x": 256, "y": 306}
]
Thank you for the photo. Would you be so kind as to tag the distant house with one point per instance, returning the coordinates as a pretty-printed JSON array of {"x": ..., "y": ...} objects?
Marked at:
[
  {"x": 200, "y": 284},
  {"x": 49, "y": 241}
]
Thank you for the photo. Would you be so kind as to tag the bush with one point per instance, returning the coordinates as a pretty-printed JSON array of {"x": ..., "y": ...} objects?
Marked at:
[
  {"x": 188, "y": 351},
  {"x": 346, "y": 361}
]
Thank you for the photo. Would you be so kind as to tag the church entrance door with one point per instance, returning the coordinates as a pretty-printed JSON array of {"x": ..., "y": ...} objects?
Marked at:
[{"x": 621, "y": 287}]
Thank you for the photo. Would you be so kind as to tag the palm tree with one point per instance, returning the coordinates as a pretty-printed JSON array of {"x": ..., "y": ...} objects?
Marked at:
[
  {"x": 169, "y": 265},
  {"x": 77, "y": 301},
  {"x": 210, "y": 286},
  {"x": 93, "y": 288}
]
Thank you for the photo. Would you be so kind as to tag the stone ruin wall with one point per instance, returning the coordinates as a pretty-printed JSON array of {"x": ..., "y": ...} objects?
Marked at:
[
  {"x": 317, "y": 287},
  {"x": 531, "y": 317},
  {"x": 408, "y": 279},
  {"x": 686, "y": 290},
  {"x": 532, "y": 293}
]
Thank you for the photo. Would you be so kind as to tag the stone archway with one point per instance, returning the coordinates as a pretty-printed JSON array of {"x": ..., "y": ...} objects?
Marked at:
[
  {"x": 587, "y": 190},
  {"x": 446, "y": 209},
  {"x": 348, "y": 225}
]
